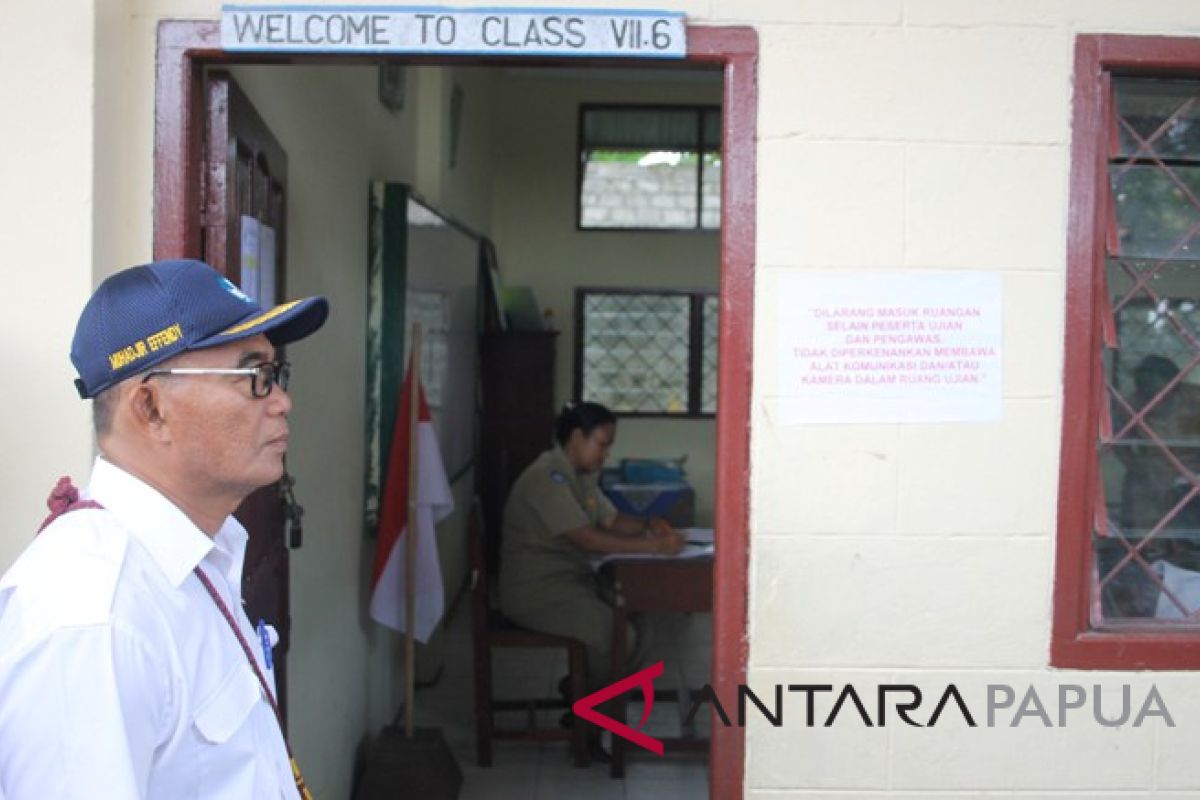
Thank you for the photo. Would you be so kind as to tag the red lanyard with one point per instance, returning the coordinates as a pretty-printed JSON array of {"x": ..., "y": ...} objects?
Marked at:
[
  {"x": 233, "y": 626},
  {"x": 262, "y": 681},
  {"x": 64, "y": 498}
]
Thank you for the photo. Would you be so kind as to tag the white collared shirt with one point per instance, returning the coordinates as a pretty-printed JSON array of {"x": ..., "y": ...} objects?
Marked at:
[{"x": 119, "y": 677}]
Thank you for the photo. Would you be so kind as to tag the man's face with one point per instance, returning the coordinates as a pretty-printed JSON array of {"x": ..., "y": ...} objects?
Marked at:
[{"x": 224, "y": 439}]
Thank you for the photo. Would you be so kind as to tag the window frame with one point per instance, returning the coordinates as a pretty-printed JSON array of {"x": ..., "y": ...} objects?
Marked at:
[
  {"x": 1074, "y": 644},
  {"x": 700, "y": 109},
  {"x": 695, "y": 383}
]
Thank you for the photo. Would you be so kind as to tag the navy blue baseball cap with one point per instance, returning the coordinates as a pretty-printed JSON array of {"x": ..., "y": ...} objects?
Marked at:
[{"x": 144, "y": 315}]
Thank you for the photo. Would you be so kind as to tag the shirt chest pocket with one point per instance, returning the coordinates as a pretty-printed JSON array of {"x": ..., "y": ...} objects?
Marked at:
[{"x": 227, "y": 708}]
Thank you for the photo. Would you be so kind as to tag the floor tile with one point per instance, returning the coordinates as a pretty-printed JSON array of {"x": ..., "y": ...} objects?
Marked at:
[
  {"x": 545, "y": 771},
  {"x": 555, "y": 787},
  {"x": 680, "y": 789}
]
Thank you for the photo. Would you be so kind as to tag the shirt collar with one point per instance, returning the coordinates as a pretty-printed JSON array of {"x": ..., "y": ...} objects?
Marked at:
[
  {"x": 169, "y": 536},
  {"x": 562, "y": 463},
  {"x": 578, "y": 480}
]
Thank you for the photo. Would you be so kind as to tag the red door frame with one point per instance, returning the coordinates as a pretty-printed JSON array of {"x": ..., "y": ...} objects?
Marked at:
[
  {"x": 1073, "y": 644},
  {"x": 185, "y": 47}
]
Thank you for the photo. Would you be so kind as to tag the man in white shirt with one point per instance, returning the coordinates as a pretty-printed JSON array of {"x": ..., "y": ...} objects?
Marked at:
[{"x": 128, "y": 668}]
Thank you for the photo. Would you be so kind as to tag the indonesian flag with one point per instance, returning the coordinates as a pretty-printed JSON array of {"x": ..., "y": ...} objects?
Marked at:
[{"x": 434, "y": 503}]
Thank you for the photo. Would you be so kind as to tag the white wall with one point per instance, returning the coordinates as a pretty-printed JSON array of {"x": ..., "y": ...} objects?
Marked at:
[
  {"x": 46, "y": 229},
  {"x": 538, "y": 244}
]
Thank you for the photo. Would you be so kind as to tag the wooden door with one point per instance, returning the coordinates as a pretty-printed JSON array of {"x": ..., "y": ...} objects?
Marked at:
[{"x": 243, "y": 185}]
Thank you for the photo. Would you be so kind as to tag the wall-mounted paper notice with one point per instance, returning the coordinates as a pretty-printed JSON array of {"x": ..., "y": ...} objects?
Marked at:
[
  {"x": 908, "y": 346},
  {"x": 266, "y": 266},
  {"x": 250, "y": 272}
]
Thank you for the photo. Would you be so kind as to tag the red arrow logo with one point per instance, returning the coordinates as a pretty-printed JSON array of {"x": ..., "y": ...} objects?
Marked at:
[{"x": 585, "y": 707}]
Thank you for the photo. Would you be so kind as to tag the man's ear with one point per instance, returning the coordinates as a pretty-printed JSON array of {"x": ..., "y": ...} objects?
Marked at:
[{"x": 145, "y": 405}]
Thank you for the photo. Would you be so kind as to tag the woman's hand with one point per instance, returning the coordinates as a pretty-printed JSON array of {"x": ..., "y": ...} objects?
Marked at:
[
  {"x": 628, "y": 534},
  {"x": 668, "y": 541},
  {"x": 657, "y": 526},
  {"x": 663, "y": 537}
]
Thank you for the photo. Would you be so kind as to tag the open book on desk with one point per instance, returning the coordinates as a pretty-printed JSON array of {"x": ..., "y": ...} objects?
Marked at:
[{"x": 698, "y": 543}]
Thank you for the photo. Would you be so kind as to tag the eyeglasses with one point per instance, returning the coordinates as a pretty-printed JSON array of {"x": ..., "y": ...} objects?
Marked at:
[{"x": 263, "y": 377}]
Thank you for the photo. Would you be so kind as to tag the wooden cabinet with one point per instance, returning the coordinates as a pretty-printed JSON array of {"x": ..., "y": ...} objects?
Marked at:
[{"x": 516, "y": 417}]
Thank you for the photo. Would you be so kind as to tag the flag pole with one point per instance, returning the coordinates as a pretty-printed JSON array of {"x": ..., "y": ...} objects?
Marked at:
[{"x": 410, "y": 538}]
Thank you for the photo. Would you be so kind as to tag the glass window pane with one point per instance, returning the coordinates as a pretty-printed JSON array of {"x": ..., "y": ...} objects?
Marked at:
[
  {"x": 712, "y": 129},
  {"x": 647, "y": 167},
  {"x": 710, "y": 192},
  {"x": 1132, "y": 587},
  {"x": 708, "y": 359},
  {"x": 641, "y": 129},
  {"x": 1158, "y": 118},
  {"x": 1147, "y": 543},
  {"x": 1148, "y": 551},
  {"x": 638, "y": 189},
  {"x": 1158, "y": 210},
  {"x": 635, "y": 351}
]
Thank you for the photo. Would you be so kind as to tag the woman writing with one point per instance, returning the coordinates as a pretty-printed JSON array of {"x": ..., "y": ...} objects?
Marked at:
[{"x": 555, "y": 521}]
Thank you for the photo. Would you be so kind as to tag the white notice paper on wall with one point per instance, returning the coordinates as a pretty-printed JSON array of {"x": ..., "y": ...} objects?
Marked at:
[
  {"x": 863, "y": 347},
  {"x": 266, "y": 266},
  {"x": 249, "y": 248}
]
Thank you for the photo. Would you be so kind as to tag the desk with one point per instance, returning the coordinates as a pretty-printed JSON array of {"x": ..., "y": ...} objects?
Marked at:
[{"x": 654, "y": 585}]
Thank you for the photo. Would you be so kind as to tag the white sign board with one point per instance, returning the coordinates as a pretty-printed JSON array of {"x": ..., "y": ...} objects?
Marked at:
[
  {"x": 889, "y": 347},
  {"x": 635, "y": 33}
]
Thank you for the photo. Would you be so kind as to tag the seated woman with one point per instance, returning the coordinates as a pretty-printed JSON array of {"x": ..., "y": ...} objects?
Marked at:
[{"x": 555, "y": 520}]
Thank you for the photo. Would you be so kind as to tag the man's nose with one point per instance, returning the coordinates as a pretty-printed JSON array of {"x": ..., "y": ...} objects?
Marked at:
[{"x": 280, "y": 401}]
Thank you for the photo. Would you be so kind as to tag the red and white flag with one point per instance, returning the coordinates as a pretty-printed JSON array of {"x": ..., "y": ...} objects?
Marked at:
[{"x": 434, "y": 503}]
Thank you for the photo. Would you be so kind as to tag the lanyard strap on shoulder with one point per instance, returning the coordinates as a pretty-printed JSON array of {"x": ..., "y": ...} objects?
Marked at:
[{"x": 64, "y": 498}]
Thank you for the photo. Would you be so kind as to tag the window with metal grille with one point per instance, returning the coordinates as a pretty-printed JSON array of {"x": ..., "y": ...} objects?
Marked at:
[
  {"x": 1128, "y": 588},
  {"x": 647, "y": 352},
  {"x": 1147, "y": 555},
  {"x": 649, "y": 167}
]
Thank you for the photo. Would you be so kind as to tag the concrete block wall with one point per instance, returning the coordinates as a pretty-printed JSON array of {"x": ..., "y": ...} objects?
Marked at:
[
  {"x": 927, "y": 136},
  {"x": 46, "y": 227}
]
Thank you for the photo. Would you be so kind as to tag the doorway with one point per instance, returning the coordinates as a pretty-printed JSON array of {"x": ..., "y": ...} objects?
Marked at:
[{"x": 186, "y": 49}]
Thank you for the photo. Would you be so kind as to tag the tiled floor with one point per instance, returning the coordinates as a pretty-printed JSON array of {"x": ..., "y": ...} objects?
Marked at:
[{"x": 532, "y": 771}]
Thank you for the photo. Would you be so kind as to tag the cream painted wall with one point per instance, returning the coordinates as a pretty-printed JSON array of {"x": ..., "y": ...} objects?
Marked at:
[
  {"x": 537, "y": 243},
  {"x": 927, "y": 135},
  {"x": 893, "y": 134},
  {"x": 46, "y": 230}
]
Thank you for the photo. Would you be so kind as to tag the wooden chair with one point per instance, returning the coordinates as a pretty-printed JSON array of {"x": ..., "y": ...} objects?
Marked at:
[{"x": 491, "y": 631}]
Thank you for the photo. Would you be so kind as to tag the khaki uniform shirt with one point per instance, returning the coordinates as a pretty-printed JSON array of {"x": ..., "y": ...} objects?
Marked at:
[{"x": 537, "y": 559}]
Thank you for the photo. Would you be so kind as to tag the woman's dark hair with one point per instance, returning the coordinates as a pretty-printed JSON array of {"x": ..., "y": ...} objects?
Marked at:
[{"x": 584, "y": 416}]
